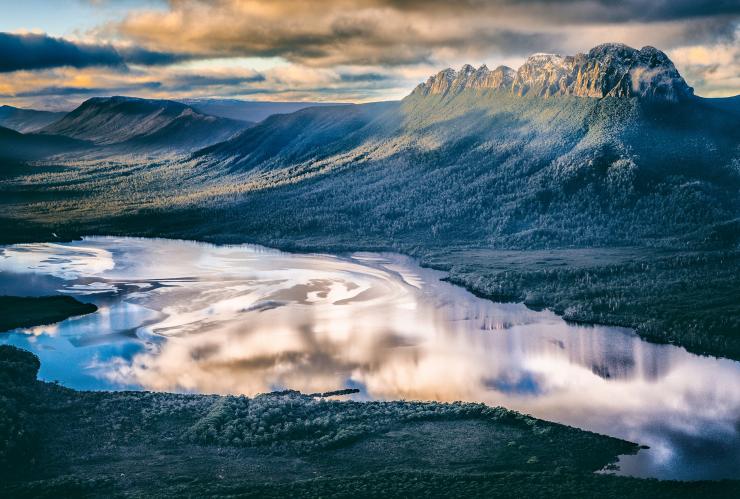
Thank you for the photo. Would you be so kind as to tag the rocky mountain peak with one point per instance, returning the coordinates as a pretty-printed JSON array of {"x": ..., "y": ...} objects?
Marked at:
[
  {"x": 450, "y": 81},
  {"x": 608, "y": 70}
]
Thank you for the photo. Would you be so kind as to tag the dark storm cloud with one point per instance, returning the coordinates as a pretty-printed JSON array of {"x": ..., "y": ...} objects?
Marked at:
[
  {"x": 144, "y": 57},
  {"x": 659, "y": 10},
  {"x": 32, "y": 51},
  {"x": 38, "y": 51},
  {"x": 363, "y": 77},
  {"x": 580, "y": 10}
]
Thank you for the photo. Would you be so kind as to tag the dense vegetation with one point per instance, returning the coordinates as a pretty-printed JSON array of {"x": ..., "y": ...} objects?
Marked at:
[
  {"x": 288, "y": 444},
  {"x": 18, "y": 312},
  {"x": 687, "y": 297}
]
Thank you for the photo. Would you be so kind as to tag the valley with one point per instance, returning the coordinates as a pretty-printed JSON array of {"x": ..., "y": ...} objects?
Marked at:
[
  {"x": 594, "y": 187},
  {"x": 441, "y": 177}
]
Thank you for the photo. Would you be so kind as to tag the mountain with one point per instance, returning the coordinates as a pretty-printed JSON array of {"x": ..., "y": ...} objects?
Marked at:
[
  {"x": 608, "y": 70},
  {"x": 250, "y": 111},
  {"x": 16, "y": 146},
  {"x": 285, "y": 139},
  {"x": 27, "y": 120},
  {"x": 133, "y": 124},
  {"x": 609, "y": 147}
]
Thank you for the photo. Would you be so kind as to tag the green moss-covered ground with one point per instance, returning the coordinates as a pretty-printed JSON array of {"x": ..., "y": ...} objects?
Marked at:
[
  {"x": 57, "y": 442},
  {"x": 16, "y": 311}
]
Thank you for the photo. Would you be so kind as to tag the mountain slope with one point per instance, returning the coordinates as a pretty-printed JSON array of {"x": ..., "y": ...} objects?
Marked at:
[
  {"x": 304, "y": 135},
  {"x": 143, "y": 124},
  {"x": 15, "y": 146},
  {"x": 27, "y": 120},
  {"x": 727, "y": 104}
]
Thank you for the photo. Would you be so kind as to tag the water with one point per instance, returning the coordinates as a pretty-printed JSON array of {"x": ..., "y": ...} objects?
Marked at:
[{"x": 192, "y": 317}]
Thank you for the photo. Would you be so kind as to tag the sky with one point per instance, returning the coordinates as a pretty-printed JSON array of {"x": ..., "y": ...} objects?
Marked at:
[{"x": 54, "y": 54}]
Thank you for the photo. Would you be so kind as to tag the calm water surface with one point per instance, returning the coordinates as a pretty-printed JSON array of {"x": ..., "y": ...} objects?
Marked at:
[{"x": 192, "y": 317}]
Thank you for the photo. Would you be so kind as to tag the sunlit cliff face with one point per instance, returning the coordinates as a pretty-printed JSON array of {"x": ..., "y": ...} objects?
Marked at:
[{"x": 180, "y": 316}]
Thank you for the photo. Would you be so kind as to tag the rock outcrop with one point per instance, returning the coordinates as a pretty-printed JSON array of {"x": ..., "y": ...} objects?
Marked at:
[
  {"x": 468, "y": 77},
  {"x": 609, "y": 70}
]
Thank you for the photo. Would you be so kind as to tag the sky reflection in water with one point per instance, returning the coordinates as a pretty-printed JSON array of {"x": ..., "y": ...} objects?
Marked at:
[{"x": 184, "y": 316}]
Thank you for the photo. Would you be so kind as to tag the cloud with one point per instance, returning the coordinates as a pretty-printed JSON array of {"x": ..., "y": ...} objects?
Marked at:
[
  {"x": 33, "y": 51},
  {"x": 396, "y": 32},
  {"x": 325, "y": 33},
  {"x": 191, "y": 82},
  {"x": 713, "y": 68},
  {"x": 67, "y": 87},
  {"x": 610, "y": 11},
  {"x": 363, "y": 77},
  {"x": 354, "y": 49},
  {"x": 138, "y": 55}
]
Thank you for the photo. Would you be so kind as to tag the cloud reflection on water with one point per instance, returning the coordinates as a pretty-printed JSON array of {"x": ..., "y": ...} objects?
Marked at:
[{"x": 245, "y": 320}]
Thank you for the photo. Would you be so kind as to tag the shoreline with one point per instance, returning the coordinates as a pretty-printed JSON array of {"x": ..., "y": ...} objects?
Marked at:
[
  {"x": 111, "y": 243},
  {"x": 420, "y": 255},
  {"x": 250, "y": 446}
]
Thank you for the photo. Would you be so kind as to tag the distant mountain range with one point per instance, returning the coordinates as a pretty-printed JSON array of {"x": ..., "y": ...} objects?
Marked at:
[
  {"x": 250, "y": 111},
  {"x": 27, "y": 120},
  {"x": 142, "y": 124},
  {"x": 114, "y": 126}
]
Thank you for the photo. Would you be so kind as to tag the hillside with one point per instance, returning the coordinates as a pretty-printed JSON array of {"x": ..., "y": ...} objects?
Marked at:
[
  {"x": 305, "y": 135},
  {"x": 16, "y": 146},
  {"x": 463, "y": 159},
  {"x": 27, "y": 120},
  {"x": 143, "y": 124}
]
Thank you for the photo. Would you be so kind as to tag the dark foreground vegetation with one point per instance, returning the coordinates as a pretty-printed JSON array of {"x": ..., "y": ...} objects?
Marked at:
[
  {"x": 57, "y": 442},
  {"x": 18, "y": 311}
]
